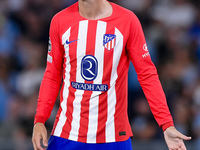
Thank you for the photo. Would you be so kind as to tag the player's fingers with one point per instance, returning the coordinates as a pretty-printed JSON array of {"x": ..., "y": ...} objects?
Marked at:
[
  {"x": 34, "y": 146},
  {"x": 181, "y": 136},
  {"x": 174, "y": 148},
  {"x": 44, "y": 138},
  {"x": 183, "y": 147},
  {"x": 37, "y": 144}
]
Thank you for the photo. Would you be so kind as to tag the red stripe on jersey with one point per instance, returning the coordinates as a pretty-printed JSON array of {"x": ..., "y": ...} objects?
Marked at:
[
  {"x": 61, "y": 99},
  {"x": 121, "y": 122},
  {"x": 90, "y": 50},
  {"x": 111, "y": 44},
  {"x": 56, "y": 120},
  {"x": 59, "y": 111},
  {"x": 103, "y": 106},
  {"x": 71, "y": 97}
]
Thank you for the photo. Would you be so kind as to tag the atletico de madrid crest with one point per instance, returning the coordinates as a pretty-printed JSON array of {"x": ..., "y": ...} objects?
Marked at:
[{"x": 109, "y": 41}]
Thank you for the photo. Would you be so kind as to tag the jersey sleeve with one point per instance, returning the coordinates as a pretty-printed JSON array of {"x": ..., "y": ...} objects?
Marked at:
[
  {"x": 52, "y": 78},
  {"x": 147, "y": 74}
]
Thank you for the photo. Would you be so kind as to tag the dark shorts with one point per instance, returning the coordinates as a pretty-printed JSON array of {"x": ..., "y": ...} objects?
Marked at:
[{"x": 58, "y": 143}]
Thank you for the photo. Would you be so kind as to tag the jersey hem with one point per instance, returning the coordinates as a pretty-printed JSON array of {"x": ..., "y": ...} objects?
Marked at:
[{"x": 108, "y": 139}]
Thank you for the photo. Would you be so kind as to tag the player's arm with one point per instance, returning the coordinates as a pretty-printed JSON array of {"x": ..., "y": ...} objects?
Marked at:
[
  {"x": 150, "y": 83},
  {"x": 50, "y": 86}
]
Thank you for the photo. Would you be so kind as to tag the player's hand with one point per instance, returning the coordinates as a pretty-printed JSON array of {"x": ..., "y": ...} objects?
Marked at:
[
  {"x": 174, "y": 139},
  {"x": 39, "y": 133}
]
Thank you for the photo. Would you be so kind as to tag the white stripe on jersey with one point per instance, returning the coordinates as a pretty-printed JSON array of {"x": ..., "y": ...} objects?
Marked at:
[
  {"x": 109, "y": 45},
  {"x": 113, "y": 42},
  {"x": 94, "y": 100},
  {"x": 110, "y": 124},
  {"x": 63, "y": 118},
  {"x": 81, "y": 51}
]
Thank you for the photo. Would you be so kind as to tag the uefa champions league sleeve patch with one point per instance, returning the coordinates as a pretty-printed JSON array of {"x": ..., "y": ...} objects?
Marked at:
[{"x": 49, "y": 58}]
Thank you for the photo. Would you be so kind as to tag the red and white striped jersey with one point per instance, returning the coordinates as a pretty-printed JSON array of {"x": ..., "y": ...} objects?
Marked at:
[{"x": 91, "y": 58}]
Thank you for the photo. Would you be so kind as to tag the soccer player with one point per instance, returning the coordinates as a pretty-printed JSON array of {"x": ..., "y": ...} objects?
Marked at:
[{"x": 91, "y": 45}]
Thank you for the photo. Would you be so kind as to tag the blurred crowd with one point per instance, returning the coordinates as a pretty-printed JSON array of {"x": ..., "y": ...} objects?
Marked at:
[{"x": 172, "y": 31}]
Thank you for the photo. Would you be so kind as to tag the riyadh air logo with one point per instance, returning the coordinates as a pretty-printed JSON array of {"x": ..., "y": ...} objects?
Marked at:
[
  {"x": 145, "y": 47},
  {"x": 89, "y": 68},
  {"x": 109, "y": 41}
]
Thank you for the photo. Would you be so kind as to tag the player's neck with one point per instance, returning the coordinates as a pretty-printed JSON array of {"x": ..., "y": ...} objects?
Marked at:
[{"x": 95, "y": 9}]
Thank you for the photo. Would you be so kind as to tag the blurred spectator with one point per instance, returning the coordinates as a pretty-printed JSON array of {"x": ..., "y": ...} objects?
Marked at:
[
  {"x": 195, "y": 36},
  {"x": 32, "y": 58},
  {"x": 5, "y": 86},
  {"x": 178, "y": 13},
  {"x": 8, "y": 34},
  {"x": 143, "y": 123},
  {"x": 196, "y": 109}
]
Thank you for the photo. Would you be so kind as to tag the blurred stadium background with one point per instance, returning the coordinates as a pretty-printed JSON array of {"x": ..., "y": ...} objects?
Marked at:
[{"x": 172, "y": 30}]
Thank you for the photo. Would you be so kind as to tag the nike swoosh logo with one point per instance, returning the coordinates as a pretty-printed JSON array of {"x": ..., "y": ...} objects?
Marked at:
[{"x": 69, "y": 42}]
